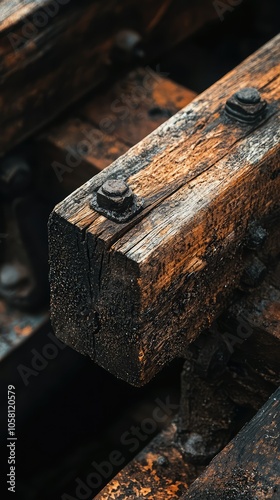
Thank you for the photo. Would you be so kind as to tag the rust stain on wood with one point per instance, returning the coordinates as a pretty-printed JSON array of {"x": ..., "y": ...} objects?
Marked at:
[{"x": 159, "y": 472}]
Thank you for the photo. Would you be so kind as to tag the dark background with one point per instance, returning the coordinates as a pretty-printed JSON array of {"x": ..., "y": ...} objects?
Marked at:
[{"x": 74, "y": 412}]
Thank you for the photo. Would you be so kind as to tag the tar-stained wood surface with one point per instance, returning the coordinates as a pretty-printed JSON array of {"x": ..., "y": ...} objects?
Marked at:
[
  {"x": 214, "y": 390},
  {"x": 159, "y": 472},
  {"x": 249, "y": 467},
  {"x": 132, "y": 296},
  {"x": 249, "y": 381},
  {"x": 111, "y": 121},
  {"x": 136, "y": 105},
  {"x": 54, "y": 52}
]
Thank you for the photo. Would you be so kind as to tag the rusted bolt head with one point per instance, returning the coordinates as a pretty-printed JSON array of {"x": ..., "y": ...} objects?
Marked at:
[
  {"x": 114, "y": 195},
  {"x": 115, "y": 188},
  {"x": 246, "y": 105},
  {"x": 248, "y": 95}
]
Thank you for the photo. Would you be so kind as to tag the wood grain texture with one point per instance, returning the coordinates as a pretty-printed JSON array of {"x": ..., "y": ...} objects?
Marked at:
[
  {"x": 111, "y": 121},
  {"x": 54, "y": 51},
  {"x": 159, "y": 472},
  {"x": 260, "y": 352},
  {"x": 13, "y": 10},
  {"x": 249, "y": 467},
  {"x": 231, "y": 370},
  {"x": 136, "y": 105},
  {"x": 132, "y": 296}
]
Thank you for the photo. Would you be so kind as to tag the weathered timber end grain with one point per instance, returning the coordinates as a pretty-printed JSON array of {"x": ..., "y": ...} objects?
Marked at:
[
  {"x": 249, "y": 467},
  {"x": 132, "y": 296}
]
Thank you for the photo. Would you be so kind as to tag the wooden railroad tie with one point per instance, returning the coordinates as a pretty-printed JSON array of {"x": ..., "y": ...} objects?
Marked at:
[
  {"x": 247, "y": 468},
  {"x": 106, "y": 125},
  {"x": 138, "y": 271},
  {"x": 163, "y": 470},
  {"x": 60, "y": 49}
]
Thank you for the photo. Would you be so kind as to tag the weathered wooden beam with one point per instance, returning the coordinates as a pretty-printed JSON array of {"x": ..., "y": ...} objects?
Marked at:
[
  {"x": 249, "y": 467},
  {"x": 59, "y": 49},
  {"x": 259, "y": 327},
  {"x": 232, "y": 366},
  {"x": 106, "y": 126},
  {"x": 133, "y": 295},
  {"x": 159, "y": 472}
]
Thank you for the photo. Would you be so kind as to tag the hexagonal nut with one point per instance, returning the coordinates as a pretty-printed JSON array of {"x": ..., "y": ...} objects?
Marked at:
[
  {"x": 114, "y": 195},
  {"x": 246, "y": 105}
]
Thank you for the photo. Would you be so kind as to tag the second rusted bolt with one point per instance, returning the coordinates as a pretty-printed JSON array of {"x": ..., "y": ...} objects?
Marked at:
[{"x": 246, "y": 105}]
